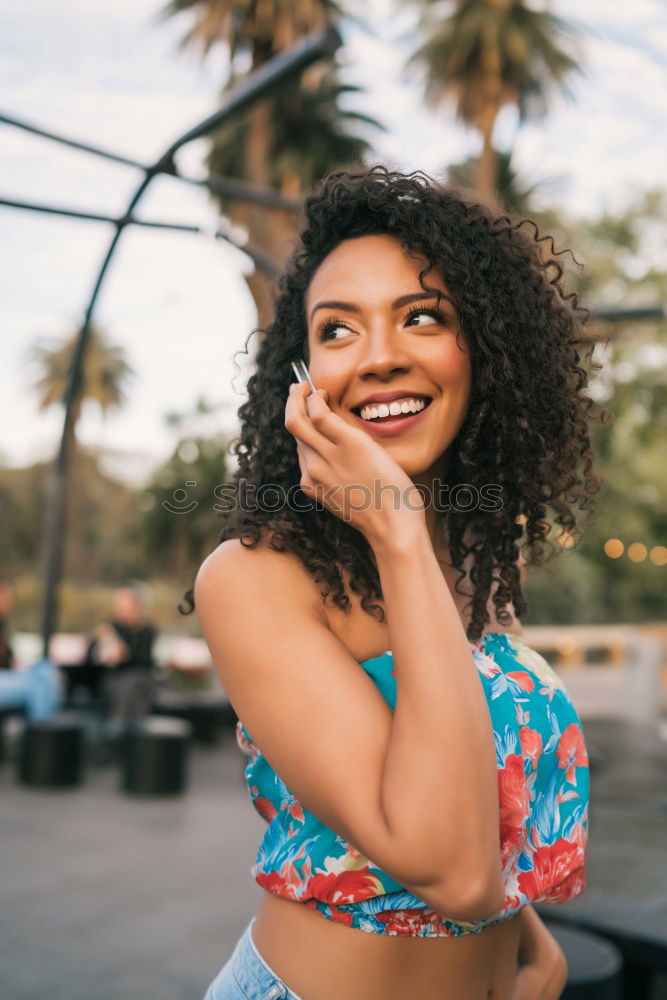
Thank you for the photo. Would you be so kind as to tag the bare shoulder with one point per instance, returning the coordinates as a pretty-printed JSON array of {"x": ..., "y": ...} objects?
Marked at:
[{"x": 237, "y": 569}]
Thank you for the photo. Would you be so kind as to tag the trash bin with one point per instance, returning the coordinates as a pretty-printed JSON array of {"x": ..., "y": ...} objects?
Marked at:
[
  {"x": 595, "y": 965},
  {"x": 154, "y": 756},
  {"x": 51, "y": 753}
]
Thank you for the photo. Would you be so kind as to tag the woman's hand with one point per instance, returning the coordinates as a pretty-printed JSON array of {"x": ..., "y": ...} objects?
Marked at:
[
  {"x": 345, "y": 470},
  {"x": 543, "y": 967}
]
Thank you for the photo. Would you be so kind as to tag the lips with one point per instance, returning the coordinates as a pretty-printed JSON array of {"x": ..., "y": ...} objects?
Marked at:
[{"x": 391, "y": 427}]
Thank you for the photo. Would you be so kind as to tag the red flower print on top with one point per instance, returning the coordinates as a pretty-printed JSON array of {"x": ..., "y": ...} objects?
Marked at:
[
  {"x": 531, "y": 744},
  {"x": 552, "y": 863},
  {"x": 271, "y": 881},
  {"x": 571, "y": 752},
  {"x": 266, "y": 809},
  {"x": 408, "y": 921},
  {"x": 294, "y": 809},
  {"x": 520, "y": 677},
  {"x": 346, "y": 887},
  {"x": 514, "y": 804},
  {"x": 339, "y": 916}
]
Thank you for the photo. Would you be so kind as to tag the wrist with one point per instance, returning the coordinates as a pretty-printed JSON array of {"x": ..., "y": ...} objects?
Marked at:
[{"x": 404, "y": 537}]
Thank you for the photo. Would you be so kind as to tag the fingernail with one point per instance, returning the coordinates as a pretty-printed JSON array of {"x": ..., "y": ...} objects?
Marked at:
[{"x": 292, "y": 387}]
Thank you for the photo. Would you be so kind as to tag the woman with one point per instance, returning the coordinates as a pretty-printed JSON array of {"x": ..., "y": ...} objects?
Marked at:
[{"x": 416, "y": 806}]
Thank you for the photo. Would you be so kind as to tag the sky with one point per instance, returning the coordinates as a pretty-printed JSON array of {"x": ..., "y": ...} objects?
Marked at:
[{"x": 112, "y": 73}]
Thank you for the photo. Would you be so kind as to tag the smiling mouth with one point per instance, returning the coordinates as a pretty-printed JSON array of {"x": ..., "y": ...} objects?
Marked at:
[{"x": 391, "y": 417}]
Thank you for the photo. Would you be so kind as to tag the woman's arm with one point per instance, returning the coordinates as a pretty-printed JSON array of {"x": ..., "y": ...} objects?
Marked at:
[
  {"x": 543, "y": 967},
  {"x": 438, "y": 786},
  {"x": 440, "y": 781}
]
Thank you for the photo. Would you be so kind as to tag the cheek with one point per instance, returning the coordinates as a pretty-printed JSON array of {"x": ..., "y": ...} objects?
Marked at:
[
  {"x": 453, "y": 367},
  {"x": 326, "y": 374}
]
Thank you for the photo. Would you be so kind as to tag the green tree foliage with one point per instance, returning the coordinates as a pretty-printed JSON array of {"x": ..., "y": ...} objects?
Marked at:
[
  {"x": 102, "y": 511},
  {"x": 311, "y": 133},
  {"x": 179, "y": 524},
  {"x": 512, "y": 192},
  {"x": 622, "y": 268}
]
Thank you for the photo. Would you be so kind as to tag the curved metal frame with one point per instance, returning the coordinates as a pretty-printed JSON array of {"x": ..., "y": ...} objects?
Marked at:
[{"x": 277, "y": 71}]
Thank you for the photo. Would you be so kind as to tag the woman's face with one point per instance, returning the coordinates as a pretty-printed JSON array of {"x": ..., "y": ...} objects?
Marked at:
[{"x": 374, "y": 331}]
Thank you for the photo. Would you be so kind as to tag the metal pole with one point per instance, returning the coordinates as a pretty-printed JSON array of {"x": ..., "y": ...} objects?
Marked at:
[
  {"x": 637, "y": 313},
  {"x": 260, "y": 259},
  {"x": 272, "y": 74},
  {"x": 229, "y": 187}
]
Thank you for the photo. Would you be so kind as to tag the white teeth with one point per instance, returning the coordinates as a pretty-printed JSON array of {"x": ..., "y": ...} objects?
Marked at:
[{"x": 394, "y": 408}]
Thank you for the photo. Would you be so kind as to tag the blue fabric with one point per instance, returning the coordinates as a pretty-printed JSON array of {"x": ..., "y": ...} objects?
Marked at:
[{"x": 37, "y": 689}]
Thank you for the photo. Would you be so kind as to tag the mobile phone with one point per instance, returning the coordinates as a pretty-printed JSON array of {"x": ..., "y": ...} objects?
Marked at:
[{"x": 302, "y": 373}]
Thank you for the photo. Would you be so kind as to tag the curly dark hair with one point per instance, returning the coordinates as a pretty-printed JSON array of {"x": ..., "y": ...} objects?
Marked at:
[{"x": 526, "y": 427}]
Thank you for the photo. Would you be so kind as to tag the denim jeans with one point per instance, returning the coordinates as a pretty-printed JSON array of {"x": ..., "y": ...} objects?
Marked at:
[{"x": 246, "y": 976}]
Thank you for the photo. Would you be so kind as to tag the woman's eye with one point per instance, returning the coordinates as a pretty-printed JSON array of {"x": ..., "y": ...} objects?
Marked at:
[
  {"x": 329, "y": 328},
  {"x": 432, "y": 315}
]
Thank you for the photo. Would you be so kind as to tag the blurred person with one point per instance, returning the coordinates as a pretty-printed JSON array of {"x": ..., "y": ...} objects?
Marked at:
[
  {"x": 422, "y": 771},
  {"x": 6, "y": 605},
  {"x": 124, "y": 647},
  {"x": 34, "y": 688}
]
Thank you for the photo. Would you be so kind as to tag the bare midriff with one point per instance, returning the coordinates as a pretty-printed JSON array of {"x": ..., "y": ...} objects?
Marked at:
[{"x": 320, "y": 959}]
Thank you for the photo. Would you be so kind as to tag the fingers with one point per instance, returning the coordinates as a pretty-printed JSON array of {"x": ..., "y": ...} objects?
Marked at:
[
  {"x": 308, "y": 417},
  {"x": 323, "y": 418},
  {"x": 310, "y": 463},
  {"x": 297, "y": 419},
  {"x": 308, "y": 458}
]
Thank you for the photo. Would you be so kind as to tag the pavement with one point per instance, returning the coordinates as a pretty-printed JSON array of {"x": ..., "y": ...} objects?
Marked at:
[{"x": 104, "y": 896}]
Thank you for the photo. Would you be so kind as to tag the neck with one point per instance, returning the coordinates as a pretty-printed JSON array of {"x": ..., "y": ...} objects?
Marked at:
[{"x": 432, "y": 480}]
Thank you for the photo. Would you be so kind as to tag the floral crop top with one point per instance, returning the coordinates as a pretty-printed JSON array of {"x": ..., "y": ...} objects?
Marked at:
[{"x": 543, "y": 784}]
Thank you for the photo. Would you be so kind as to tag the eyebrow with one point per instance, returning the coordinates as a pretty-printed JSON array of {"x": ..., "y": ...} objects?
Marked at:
[{"x": 403, "y": 300}]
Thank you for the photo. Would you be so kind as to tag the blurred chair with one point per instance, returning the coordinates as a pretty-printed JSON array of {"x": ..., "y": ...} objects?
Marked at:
[
  {"x": 638, "y": 930},
  {"x": 155, "y": 756},
  {"x": 52, "y": 752},
  {"x": 595, "y": 966}
]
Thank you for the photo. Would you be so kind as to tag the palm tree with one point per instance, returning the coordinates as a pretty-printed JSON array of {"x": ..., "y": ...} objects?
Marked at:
[
  {"x": 490, "y": 53},
  {"x": 512, "y": 192},
  {"x": 310, "y": 132},
  {"x": 286, "y": 141},
  {"x": 103, "y": 379},
  {"x": 253, "y": 31},
  {"x": 105, "y": 372}
]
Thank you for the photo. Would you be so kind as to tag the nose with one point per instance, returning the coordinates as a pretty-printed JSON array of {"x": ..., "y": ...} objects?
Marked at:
[{"x": 383, "y": 355}]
